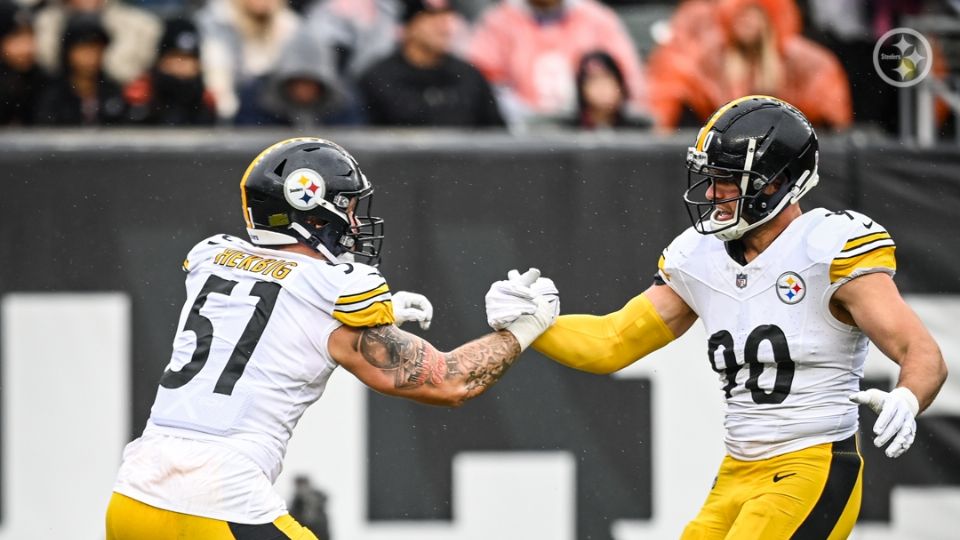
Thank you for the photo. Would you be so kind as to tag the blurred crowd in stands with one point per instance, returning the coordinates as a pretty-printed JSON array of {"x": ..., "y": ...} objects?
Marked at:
[{"x": 470, "y": 63}]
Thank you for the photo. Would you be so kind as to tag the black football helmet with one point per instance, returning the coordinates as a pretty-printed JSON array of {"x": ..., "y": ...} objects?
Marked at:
[
  {"x": 304, "y": 190},
  {"x": 754, "y": 141}
]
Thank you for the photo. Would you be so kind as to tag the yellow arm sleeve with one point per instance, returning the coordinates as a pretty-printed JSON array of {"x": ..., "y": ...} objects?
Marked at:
[{"x": 604, "y": 344}]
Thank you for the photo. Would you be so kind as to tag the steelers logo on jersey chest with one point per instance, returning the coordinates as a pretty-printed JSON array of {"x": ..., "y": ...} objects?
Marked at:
[
  {"x": 790, "y": 288},
  {"x": 304, "y": 189}
]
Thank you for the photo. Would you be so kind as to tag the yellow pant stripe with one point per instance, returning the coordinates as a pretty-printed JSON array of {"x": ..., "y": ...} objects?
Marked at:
[
  {"x": 836, "y": 510},
  {"x": 810, "y": 493}
]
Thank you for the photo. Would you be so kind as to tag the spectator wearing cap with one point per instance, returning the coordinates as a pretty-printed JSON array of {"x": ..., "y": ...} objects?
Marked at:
[
  {"x": 529, "y": 50},
  {"x": 21, "y": 80},
  {"x": 304, "y": 90},
  {"x": 133, "y": 32},
  {"x": 172, "y": 93},
  {"x": 82, "y": 94},
  {"x": 422, "y": 83}
]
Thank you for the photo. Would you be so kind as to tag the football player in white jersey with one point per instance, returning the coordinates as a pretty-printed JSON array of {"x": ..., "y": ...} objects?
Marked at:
[
  {"x": 789, "y": 300},
  {"x": 265, "y": 324}
]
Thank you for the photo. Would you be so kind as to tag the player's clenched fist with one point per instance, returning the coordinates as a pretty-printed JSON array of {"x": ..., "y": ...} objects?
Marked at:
[
  {"x": 898, "y": 410},
  {"x": 524, "y": 304},
  {"x": 543, "y": 286},
  {"x": 410, "y": 306}
]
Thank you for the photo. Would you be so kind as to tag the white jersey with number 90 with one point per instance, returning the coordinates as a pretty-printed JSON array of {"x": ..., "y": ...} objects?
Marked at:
[{"x": 786, "y": 365}]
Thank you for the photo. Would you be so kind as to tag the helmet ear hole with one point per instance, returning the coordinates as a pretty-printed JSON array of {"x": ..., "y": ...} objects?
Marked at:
[
  {"x": 776, "y": 183},
  {"x": 315, "y": 222}
]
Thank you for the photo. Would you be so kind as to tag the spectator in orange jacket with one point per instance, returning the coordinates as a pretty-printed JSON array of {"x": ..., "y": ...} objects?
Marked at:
[
  {"x": 529, "y": 51},
  {"x": 723, "y": 49}
]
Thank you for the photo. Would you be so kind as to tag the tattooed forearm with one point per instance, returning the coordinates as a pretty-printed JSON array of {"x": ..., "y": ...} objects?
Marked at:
[
  {"x": 485, "y": 360},
  {"x": 414, "y": 362}
]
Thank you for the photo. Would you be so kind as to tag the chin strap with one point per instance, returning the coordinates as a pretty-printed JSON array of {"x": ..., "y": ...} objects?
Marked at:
[
  {"x": 319, "y": 240},
  {"x": 325, "y": 252},
  {"x": 735, "y": 232},
  {"x": 263, "y": 237},
  {"x": 741, "y": 228},
  {"x": 803, "y": 185},
  {"x": 315, "y": 241}
]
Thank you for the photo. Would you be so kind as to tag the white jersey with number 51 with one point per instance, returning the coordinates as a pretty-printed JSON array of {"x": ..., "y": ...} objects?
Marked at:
[{"x": 250, "y": 354}]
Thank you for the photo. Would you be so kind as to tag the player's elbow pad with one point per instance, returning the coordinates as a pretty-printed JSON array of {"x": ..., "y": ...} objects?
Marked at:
[{"x": 604, "y": 344}]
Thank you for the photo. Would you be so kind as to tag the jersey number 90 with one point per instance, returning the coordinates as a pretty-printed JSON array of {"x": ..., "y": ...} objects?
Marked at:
[{"x": 781, "y": 355}]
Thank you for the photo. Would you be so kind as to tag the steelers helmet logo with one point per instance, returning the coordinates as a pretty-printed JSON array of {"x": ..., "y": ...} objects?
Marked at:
[
  {"x": 791, "y": 288},
  {"x": 304, "y": 189}
]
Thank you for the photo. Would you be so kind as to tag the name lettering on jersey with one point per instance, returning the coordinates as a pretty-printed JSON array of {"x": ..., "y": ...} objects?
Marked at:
[
  {"x": 241, "y": 260},
  {"x": 791, "y": 288}
]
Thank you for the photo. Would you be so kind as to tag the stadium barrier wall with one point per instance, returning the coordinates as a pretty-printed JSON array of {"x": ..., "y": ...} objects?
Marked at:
[{"x": 628, "y": 456}]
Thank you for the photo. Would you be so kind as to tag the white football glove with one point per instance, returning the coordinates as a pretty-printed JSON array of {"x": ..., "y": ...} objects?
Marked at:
[
  {"x": 541, "y": 287},
  {"x": 512, "y": 306},
  {"x": 408, "y": 306},
  {"x": 508, "y": 299},
  {"x": 897, "y": 412}
]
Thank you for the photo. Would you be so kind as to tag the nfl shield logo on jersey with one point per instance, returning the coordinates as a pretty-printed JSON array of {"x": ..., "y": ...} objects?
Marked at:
[
  {"x": 741, "y": 281},
  {"x": 791, "y": 288}
]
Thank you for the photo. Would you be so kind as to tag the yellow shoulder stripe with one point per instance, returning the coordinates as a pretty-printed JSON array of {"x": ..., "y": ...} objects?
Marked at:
[
  {"x": 854, "y": 243},
  {"x": 376, "y": 314},
  {"x": 660, "y": 265},
  {"x": 366, "y": 295},
  {"x": 881, "y": 257}
]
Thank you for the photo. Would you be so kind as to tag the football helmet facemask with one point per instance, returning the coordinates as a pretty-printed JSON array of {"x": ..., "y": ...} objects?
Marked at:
[
  {"x": 312, "y": 191},
  {"x": 753, "y": 142}
]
